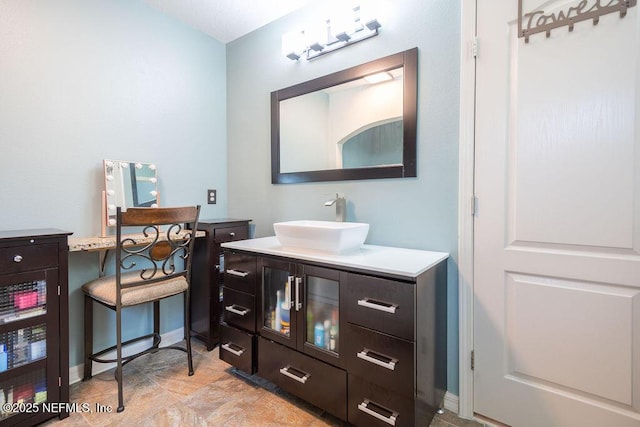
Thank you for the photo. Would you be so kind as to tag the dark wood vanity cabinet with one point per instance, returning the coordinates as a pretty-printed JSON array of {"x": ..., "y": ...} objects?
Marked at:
[
  {"x": 300, "y": 327},
  {"x": 238, "y": 340},
  {"x": 396, "y": 348},
  {"x": 34, "y": 326},
  {"x": 207, "y": 278},
  {"x": 385, "y": 362}
]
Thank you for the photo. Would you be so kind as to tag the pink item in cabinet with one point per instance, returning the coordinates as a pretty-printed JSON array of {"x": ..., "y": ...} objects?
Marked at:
[
  {"x": 24, "y": 300},
  {"x": 23, "y": 393}
]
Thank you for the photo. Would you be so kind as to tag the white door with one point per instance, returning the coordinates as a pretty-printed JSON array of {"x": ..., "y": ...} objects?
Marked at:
[{"x": 557, "y": 228}]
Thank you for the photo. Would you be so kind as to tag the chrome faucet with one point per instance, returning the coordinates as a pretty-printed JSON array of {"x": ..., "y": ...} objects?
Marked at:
[{"x": 341, "y": 207}]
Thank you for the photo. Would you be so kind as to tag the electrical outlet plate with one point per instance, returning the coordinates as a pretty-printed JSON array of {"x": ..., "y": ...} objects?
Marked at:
[{"x": 212, "y": 197}]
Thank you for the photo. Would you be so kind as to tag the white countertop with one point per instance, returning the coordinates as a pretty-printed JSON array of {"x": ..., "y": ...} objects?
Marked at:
[{"x": 383, "y": 259}]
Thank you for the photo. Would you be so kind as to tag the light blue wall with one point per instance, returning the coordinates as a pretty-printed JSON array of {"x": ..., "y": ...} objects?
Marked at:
[
  {"x": 84, "y": 80},
  {"x": 414, "y": 213}
]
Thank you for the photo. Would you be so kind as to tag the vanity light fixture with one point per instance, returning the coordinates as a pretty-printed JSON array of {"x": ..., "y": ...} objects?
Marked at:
[
  {"x": 343, "y": 37},
  {"x": 330, "y": 35}
]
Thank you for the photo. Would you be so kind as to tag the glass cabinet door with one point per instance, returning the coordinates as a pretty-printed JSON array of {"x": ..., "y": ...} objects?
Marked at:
[
  {"x": 300, "y": 307},
  {"x": 29, "y": 364},
  {"x": 277, "y": 304},
  {"x": 322, "y": 313}
]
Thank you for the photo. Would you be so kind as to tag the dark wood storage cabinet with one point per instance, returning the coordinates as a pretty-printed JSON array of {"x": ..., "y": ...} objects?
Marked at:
[
  {"x": 207, "y": 278},
  {"x": 367, "y": 346},
  {"x": 34, "y": 326}
]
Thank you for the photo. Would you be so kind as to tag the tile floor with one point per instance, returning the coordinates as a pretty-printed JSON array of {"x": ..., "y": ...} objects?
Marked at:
[{"x": 159, "y": 392}]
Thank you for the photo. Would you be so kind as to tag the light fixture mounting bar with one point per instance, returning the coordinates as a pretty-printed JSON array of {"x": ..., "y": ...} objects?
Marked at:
[{"x": 336, "y": 45}]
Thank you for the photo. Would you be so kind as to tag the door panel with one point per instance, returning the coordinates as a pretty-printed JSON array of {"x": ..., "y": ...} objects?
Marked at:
[
  {"x": 572, "y": 110},
  {"x": 557, "y": 229},
  {"x": 546, "y": 313}
]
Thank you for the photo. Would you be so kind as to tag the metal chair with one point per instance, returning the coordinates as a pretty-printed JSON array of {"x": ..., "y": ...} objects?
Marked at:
[{"x": 146, "y": 270}]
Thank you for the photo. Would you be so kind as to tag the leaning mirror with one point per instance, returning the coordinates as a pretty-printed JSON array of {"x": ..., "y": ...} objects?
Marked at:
[
  {"x": 128, "y": 184},
  {"x": 358, "y": 123}
]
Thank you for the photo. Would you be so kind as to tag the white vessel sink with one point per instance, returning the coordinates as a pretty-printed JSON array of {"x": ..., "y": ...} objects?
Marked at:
[{"x": 325, "y": 236}]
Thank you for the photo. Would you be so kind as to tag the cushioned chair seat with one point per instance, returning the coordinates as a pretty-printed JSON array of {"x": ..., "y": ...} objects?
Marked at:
[{"x": 103, "y": 289}]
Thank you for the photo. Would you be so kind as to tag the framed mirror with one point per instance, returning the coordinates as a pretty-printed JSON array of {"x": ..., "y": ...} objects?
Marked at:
[
  {"x": 128, "y": 184},
  {"x": 358, "y": 123}
]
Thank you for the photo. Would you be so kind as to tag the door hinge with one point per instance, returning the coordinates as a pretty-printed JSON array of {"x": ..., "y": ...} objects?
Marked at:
[
  {"x": 474, "y": 47},
  {"x": 474, "y": 205},
  {"x": 473, "y": 360}
]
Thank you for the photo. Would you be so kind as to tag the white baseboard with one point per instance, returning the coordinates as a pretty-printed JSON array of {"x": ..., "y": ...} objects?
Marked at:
[
  {"x": 168, "y": 338},
  {"x": 451, "y": 402}
]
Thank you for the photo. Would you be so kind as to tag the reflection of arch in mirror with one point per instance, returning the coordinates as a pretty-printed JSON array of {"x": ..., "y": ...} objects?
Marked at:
[
  {"x": 375, "y": 144},
  {"x": 128, "y": 184}
]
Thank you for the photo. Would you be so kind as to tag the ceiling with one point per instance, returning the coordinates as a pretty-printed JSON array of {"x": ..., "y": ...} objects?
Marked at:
[{"x": 227, "y": 20}]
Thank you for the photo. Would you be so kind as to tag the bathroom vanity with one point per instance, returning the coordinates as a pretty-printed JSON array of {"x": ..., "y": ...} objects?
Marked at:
[{"x": 361, "y": 335}]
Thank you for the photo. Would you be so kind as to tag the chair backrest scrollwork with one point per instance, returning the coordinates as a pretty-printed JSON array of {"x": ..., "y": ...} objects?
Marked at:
[{"x": 167, "y": 236}]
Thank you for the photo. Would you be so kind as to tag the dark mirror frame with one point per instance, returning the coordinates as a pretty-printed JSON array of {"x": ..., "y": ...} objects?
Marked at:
[{"x": 409, "y": 61}]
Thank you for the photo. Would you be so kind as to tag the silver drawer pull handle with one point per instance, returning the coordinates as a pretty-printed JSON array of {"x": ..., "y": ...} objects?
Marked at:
[
  {"x": 378, "y": 305},
  {"x": 232, "y": 351},
  {"x": 364, "y": 355},
  {"x": 17, "y": 258},
  {"x": 391, "y": 419},
  {"x": 237, "y": 273},
  {"x": 232, "y": 234},
  {"x": 303, "y": 379},
  {"x": 234, "y": 310}
]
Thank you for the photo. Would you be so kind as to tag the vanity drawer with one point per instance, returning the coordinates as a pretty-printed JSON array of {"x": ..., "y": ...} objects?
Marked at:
[
  {"x": 240, "y": 272},
  {"x": 25, "y": 258},
  {"x": 237, "y": 348},
  {"x": 239, "y": 309},
  {"x": 316, "y": 382},
  {"x": 381, "y": 304},
  {"x": 228, "y": 234},
  {"x": 372, "y": 405},
  {"x": 382, "y": 359}
]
